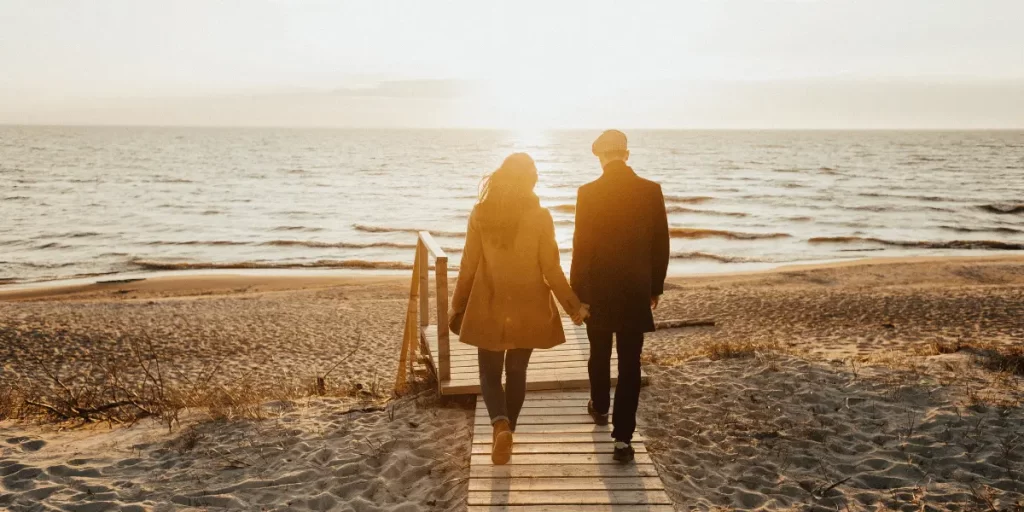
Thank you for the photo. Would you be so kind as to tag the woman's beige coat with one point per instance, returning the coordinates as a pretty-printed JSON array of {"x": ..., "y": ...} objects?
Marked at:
[{"x": 506, "y": 294}]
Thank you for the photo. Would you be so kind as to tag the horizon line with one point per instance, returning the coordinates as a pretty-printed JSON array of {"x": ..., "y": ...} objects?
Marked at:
[{"x": 496, "y": 129}]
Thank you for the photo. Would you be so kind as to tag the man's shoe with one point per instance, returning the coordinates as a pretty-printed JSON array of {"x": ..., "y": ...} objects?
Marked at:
[
  {"x": 600, "y": 420},
  {"x": 501, "y": 449},
  {"x": 623, "y": 452}
]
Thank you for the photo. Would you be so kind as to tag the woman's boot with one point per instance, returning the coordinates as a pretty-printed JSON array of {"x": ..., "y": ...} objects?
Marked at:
[{"x": 501, "y": 449}]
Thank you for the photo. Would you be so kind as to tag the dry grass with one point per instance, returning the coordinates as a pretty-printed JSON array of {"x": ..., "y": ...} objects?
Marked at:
[
  {"x": 143, "y": 386},
  {"x": 717, "y": 350}
]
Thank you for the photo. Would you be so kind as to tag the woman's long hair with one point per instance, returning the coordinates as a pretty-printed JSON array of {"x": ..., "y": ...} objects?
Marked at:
[{"x": 505, "y": 195}]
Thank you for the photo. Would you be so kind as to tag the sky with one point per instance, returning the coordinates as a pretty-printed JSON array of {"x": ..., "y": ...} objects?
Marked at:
[{"x": 515, "y": 64}]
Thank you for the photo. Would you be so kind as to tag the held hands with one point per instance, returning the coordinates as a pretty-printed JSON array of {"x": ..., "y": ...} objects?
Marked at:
[{"x": 582, "y": 314}]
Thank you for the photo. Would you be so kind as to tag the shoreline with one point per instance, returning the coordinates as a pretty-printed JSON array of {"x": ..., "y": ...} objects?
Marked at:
[{"x": 181, "y": 282}]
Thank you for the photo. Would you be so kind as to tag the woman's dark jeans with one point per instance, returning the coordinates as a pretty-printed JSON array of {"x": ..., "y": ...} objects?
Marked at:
[{"x": 504, "y": 403}]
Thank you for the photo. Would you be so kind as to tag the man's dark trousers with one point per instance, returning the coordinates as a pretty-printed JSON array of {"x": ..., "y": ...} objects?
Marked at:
[{"x": 627, "y": 391}]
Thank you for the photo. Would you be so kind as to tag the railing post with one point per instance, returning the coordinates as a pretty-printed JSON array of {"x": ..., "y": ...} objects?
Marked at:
[
  {"x": 443, "y": 355},
  {"x": 424, "y": 273}
]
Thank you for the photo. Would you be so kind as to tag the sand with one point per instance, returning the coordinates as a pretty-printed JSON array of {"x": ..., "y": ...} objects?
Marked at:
[
  {"x": 313, "y": 455},
  {"x": 844, "y": 404}
]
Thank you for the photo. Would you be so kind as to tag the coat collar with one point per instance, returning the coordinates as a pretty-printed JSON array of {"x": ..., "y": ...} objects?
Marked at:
[{"x": 618, "y": 168}]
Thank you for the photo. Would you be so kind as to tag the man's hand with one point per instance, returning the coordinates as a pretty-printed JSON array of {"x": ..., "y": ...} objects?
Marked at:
[
  {"x": 581, "y": 315},
  {"x": 654, "y": 301}
]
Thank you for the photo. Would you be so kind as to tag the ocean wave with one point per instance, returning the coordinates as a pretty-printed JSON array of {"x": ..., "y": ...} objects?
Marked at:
[
  {"x": 710, "y": 256},
  {"x": 893, "y": 208},
  {"x": 196, "y": 242},
  {"x": 202, "y": 265},
  {"x": 16, "y": 198},
  {"x": 52, "y": 245},
  {"x": 683, "y": 209},
  {"x": 340, "y": 245},
  {"x": 922, "y": 244},
  {"x": 563, "y": 208},
  {"x": 1003, "y": 209},
  {"x": 297, "y": 228},
  {"x": 963, "y": 229},
  {"x": 694, "y": 233},
  {"x": 908, "y": 196},
  {"x": 384, "y": 229},
  {"x": 687, "y": 199}
]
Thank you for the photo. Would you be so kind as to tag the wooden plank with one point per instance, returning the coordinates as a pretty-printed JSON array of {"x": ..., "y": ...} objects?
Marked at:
[
  {"x": 608, "y": 446},
  {"x": 522, "y": 438},
  {"x": 432, "y": 245},
  {"x": 567, "y": 419},
  {"x": 560, "y": 459},
  {"x": 509, "y": 471},
  {"x": 582, "y": 394},
  {"x": 535, "y": 366},
  {"x": 538, "y": 355},
  {"x": 554, "y": 376},
  {"x": 542, "y": 411},
  {"x": 535, "y": 402},
  {"x": 535, "y": 383},
  {"x": 561, "y": 357},
  {"x": 569, "y": 497},
  {"x": 464, "y": 349},
  {"x": 570, "y": 508},
  {"x": 421, "y": 268},
  {"x": 571, "y": 428},
  {"x": 443, "y": 341},
  {"x": 472, "y": 387},
  {"x": 559, "y": 484}
]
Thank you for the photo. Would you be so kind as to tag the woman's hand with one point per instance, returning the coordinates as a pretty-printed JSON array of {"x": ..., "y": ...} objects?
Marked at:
[{"x": 581, "y": 315}]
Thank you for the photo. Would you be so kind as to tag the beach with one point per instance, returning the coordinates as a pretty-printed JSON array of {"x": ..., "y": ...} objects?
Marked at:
[{"x": 860, "y": 385}]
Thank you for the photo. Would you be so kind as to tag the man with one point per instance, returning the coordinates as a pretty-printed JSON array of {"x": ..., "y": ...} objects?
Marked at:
[{"x": 619, "y": 261}]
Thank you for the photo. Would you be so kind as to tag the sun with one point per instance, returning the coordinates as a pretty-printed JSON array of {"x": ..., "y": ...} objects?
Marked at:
[{"x": 528, "y": 106}]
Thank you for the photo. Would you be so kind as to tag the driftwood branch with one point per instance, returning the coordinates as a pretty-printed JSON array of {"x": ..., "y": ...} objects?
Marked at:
[
  {"x": 684, "y": 322},
  {"x": 48, "y": 408}
]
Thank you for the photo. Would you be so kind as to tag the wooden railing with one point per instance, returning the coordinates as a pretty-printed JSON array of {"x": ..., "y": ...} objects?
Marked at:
[{"x": 419, "y": 306}]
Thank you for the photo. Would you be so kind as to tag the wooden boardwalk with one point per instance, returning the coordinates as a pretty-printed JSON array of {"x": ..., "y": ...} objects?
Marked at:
[
  {"x": 561, "y": 461},
  {"x": 562, "y": 367}
]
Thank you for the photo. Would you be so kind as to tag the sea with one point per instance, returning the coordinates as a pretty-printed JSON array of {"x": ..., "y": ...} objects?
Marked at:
[{"x": 88, "y": 201}]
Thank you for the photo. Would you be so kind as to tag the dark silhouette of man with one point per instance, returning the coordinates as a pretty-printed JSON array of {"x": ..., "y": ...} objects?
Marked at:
[{"x": 619, "y": 262}]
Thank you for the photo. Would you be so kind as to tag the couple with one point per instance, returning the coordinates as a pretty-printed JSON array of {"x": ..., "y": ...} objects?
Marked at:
[{"x": 510, "y": 267}]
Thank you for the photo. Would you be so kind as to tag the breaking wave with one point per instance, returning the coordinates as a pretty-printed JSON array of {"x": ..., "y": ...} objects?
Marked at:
[
  {"x": 202, "y": 265},
  {"x": 983, "y": 230},
  {"x": 687, "y": 199},
  {"x": 695, "y": 233},
  {"x": 563, "y": 208},
  {"x": 297, "y": 228},
  {"x": 197, "y": 242},
  {"x": 710, "y": 256},
  {"x": 695, "y": 211},
  {"x": 383, "y": 229},
  {"x": 1003, "y": 209},
  {"x": 922, "y": 244}
]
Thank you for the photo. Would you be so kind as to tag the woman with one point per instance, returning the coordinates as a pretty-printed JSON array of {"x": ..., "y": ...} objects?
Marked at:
[{"x": 502, "y": 302}]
